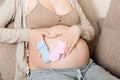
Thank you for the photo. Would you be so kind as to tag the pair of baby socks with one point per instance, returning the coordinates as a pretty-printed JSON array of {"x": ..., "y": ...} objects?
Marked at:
[{"x": 54, "y": 55}]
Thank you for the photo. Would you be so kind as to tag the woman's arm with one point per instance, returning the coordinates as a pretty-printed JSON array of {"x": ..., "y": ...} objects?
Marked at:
[
  {"x": 84, "y": 30},
  {"x": 7, "y": 13},
  {"x": 14, "y": 35},
  {"x": 87, "y": 29}
]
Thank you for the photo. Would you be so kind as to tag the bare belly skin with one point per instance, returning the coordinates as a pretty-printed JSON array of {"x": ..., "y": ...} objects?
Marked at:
[{"x": 78, "y": 57}]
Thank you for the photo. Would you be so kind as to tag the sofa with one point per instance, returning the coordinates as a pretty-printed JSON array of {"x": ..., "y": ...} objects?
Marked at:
[
  {"x": 104, "y": 48},
  {"x": 107, "y": 53}
]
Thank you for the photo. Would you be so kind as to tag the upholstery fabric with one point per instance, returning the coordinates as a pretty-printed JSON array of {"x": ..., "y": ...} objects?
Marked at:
[
  {"x": 7, "y": 60},
  {"x": 107, "y": 53}
]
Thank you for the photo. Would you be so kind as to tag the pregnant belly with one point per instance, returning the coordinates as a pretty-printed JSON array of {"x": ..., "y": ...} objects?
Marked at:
[{"x": 78, "y": 57}]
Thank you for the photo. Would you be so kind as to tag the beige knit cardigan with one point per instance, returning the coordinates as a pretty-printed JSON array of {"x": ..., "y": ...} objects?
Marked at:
[{"x": 15, "y": 10}]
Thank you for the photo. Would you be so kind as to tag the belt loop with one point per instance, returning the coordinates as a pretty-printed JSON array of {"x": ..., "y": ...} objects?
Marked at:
[{"x": 79, "y": 75}]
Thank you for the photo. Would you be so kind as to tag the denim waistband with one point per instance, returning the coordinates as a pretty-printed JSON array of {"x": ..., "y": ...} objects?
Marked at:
[{"x": 78, "y": 71}]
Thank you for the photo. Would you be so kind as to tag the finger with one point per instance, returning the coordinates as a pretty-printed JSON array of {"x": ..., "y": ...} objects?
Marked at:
[
  {"x": 67, "y": 47},
  {"x": 70, "y": 49},
  {"x": 63, "y": 55},
  {"x": 67, "y": 52}
]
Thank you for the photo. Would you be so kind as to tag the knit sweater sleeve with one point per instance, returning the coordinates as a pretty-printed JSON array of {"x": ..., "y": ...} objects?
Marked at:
[
  {"x": 87, "y": 30},
  {"x": 7, "y": 35}
]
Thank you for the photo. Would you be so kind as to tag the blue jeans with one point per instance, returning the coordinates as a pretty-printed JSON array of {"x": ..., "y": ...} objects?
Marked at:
[{"x": 90, "y": 71}]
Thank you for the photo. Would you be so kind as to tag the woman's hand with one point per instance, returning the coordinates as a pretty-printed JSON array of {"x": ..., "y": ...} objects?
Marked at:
[
  {"x": 70, "y": 36},
  {"x": 39, "y": 34}
]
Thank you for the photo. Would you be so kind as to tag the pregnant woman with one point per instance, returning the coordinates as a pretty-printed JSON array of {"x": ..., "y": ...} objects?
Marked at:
[{"x": 50, "y": 21}]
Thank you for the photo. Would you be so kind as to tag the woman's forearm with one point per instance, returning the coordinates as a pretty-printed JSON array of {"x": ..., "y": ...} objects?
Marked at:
[{"x": 14, "y": 35}]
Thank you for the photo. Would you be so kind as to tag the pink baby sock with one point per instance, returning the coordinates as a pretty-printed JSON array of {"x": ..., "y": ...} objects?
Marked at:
[{"x": 59, "y": 50}]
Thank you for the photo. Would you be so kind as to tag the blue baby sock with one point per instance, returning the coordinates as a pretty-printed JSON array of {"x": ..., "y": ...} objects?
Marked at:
[{"x": 43, "y": 49}]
